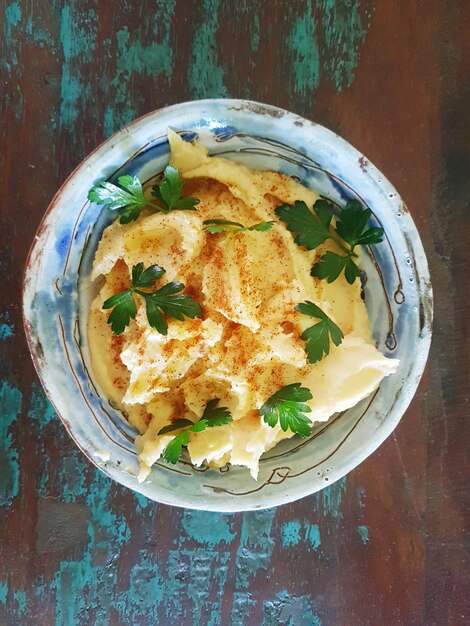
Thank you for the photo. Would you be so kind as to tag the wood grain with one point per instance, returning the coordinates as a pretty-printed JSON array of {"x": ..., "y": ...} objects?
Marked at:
[{"x": 389, "y": 544}]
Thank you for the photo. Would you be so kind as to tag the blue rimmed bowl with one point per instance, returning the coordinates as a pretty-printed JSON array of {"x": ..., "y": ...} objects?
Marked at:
[{"x": 57, "y": 294}]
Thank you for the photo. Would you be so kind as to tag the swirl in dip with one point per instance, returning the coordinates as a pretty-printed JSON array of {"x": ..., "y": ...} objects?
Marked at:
[{"x": 247, "y": 343}]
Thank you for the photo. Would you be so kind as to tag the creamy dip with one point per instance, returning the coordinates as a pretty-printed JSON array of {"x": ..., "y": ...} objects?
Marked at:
[{"x": 247, "y": 343}]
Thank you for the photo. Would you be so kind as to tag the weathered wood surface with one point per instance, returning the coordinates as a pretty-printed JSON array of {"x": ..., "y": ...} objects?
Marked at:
[{"x": 389, "y": 544}]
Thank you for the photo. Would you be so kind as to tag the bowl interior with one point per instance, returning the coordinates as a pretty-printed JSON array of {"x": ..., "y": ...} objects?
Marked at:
[{"x": 58, "y": 293}]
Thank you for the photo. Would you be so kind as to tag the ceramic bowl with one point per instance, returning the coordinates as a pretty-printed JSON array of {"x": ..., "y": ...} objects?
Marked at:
[{"x": 57, "y": 294}]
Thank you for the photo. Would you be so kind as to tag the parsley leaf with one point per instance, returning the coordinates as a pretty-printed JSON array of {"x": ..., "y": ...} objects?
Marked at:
[
  {"x": 124, "y": 309},
  {"x": 352, "y": 228},
  {"x": 146, "y": 278},
  {"x": 127, "y": 197},
  {"x": 173, "y": 451},
  {"x": 212, "y": 416},
  {"x": 287, "y": 407},
  {"x": 176, "y": 425},
  {"x": 221, "y": 225},
  {"x": 168, "y": 192},
  {"x": 165, "y": 300},
  {"x": 352, "y": 223},
  {"x": 311, "y": 229},
  {"x": 331, "y": 265},
  {"x": 159, "y": 302},
  {"x": 318, "y": 336}
]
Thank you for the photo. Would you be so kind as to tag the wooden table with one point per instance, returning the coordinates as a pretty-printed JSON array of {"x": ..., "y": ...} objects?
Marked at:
[{"x": 389, "y": 544}]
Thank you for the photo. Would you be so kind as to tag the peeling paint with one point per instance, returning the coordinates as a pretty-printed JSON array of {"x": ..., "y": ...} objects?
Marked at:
[
  {"x": 153, "y": 61},
  {"x": 10, "y": 407},
  {"x": 303, "y": 48},
  {"x": 142, "y": 598},
  {"x": 41, "y": 413},
  {"x": 3, "y": 593},
  {"x": 295, "y": 532},
  {"x": 206, "y": 74},
  {"x": 242, "y": 605},
  {"x": 19, "y": 599},
  {"x": 344, "y": 33},
  {"x": 85, "y": 588},
  {"x": 12, "y": 19},
  {"x": 9, "y": 60},
  {"x": 290, "y": 533},
  {"x": 328, "y": 500},
  {"x": 207, "y": 528},
  {"x": 78, "y": 43},
  {"x": 197, "y": 575},
  {"x": 336, "y": 55},
  {"x": 6, "y": 331},
  {"x": 255, "y": 547},
  {"x": 312, "y": 535},
  {"x": 40, "y": 409},
  {"x": 363, "y": 533},
  {"x": 290, "y": 610}
]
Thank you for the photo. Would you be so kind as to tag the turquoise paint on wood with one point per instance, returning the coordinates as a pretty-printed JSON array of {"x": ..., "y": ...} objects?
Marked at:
[
  {"x": 3, "y": 593},
  {"x": 90, "y": 583},
  {"x": 288, "y": 609},
  {"x": 363, "y": 533},
  {"x": 206, "y": 74},
  {"x": 328, "y": 500},
  {"x": 304, "y": 52},
  {"x": 290, "y": 533},
  {"x": 9, "y": 58},
  {"x": 78, "y": 40},
  {"x": 312, "y": 535},
  {"x": 12, "y": 19},
  {"x": 207, "y": 528},
  {"x": 344, "y": 33},
  {"x": 6, "y": 331},
  {"x": 242, "y": 607},
  {"x": 10, "y": 407},
  {"x": 194, "y": 583},
  {"x": 195, "y": 577},
  {"x": 143, "y": 504},
  {"x": 40, "y": 409},
  {"x": 152, "y": 61},
  {"x": 19, "y": 599},
  {"x": 255, "y": 547},
  {"x": 295, "y": 532},
  {"x": 330, "y": 51},
  {"x": 141, "y": 598},
  {"x": 208, "y": 570},
  {"x": 133, "y": 58}
]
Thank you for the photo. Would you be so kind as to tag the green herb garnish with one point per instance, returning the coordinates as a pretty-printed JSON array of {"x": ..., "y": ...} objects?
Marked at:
[
  {"x": 159, "y": 302},
  {"x": 212, "y": 416},
  {"x": 287, "y": 407},
  {"x": 221, "y": 225},
  {"x": 168, "y": 192},
  {"x": 129, "y": 200},
  {"x": 318, "y": 336},
  {"x": 311, "y": 229}
]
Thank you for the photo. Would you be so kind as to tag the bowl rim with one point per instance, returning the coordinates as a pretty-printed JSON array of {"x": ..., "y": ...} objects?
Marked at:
[{"x": 258, "y": 108}]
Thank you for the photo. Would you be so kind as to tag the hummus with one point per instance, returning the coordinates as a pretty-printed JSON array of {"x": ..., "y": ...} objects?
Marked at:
[{"x": 247, "y": 344}]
